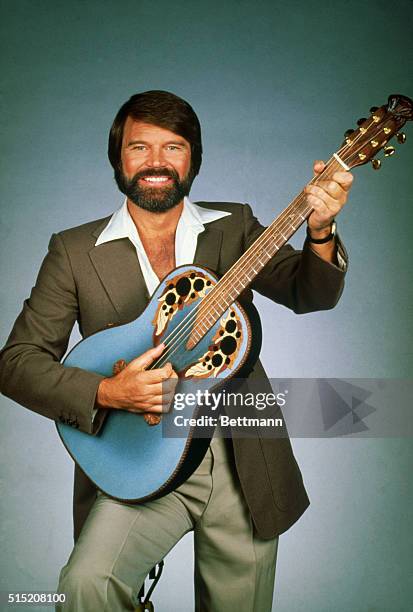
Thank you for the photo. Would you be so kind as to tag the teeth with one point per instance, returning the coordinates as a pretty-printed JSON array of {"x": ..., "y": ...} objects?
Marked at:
[{"x": 156, "y": 179}]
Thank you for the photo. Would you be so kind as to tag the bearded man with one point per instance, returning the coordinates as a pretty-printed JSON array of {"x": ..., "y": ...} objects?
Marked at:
[{"x": 245, "y": 492}]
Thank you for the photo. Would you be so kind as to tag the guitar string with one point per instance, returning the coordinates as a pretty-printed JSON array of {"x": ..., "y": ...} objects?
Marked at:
[
  {"x": 204, "y": 306},
  {"x": 279, "y": 220},
  {"x": 228, "y": 275},
  {"x": 277, "y": 225},
  {"x": 219, "y": 289}
]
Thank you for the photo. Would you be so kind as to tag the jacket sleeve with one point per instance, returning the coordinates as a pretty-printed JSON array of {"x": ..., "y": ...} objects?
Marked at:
[
  {"x": 30, "y": 368},
  {"x": 300, "y": 280}
]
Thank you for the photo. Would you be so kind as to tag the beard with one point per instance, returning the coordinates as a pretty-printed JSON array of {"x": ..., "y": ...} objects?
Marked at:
[{"x": 155, "y": 199}]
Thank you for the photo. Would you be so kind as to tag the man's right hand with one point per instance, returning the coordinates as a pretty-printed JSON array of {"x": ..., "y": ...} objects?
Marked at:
[{"x": 139, "y": 390}]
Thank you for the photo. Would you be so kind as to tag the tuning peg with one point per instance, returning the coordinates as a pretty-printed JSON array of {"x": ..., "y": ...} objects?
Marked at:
[
  {"x": 360, "y": 121},
  {"x": 376, "y": 163},
  {"x": 401, "y": 137},
  {"x": 388, "y": 151},
  {"x": 348, "y": 133},
  {"x": 373, "y": 109}
]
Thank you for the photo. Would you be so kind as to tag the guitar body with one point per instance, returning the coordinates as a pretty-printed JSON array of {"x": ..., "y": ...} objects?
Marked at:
[{"x": 128, "y": 459}]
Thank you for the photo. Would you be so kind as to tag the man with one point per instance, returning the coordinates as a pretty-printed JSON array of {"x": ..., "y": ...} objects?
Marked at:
[{"x": 246, "y": 491}]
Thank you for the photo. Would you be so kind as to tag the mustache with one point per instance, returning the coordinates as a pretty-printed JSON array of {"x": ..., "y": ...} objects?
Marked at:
[{"x": 156, "y": 172}]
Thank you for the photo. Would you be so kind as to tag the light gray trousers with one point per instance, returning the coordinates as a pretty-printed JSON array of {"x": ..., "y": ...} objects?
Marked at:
[{"x": 120, "y": 543}]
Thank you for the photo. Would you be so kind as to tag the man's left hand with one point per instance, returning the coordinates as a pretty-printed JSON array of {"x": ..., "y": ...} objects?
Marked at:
[{"x": 327, "y": 198}]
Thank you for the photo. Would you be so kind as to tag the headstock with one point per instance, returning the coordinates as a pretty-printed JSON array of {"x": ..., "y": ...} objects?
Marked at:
[{"x": 373, "y": 134}]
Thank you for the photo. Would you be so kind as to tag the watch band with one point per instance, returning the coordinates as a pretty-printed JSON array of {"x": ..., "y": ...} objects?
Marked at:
[{"x": 326, "y": 238}]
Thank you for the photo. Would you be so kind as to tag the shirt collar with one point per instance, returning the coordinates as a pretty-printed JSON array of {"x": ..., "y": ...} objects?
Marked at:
[{"x": 121, "y": 225}]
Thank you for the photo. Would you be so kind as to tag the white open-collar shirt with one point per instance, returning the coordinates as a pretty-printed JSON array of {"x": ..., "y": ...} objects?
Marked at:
[{"x": 191, "y": 223}]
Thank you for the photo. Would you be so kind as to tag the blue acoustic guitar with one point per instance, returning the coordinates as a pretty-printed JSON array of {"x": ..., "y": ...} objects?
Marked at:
[{"x": 208, "y": 335}]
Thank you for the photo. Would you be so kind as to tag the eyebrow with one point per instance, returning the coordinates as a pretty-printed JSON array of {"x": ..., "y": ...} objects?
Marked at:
[{"x": 145, "y": 142}]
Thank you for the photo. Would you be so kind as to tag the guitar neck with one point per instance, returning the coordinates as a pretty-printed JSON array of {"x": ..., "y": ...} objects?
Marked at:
[
  {"x": 250, "y": 264},
  {"x": 360, "y": 146}
]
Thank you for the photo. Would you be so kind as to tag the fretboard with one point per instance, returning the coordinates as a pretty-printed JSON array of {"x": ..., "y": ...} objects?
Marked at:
[{"x": 253, "y": 260}]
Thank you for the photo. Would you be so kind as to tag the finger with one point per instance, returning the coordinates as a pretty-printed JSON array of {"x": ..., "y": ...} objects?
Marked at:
[
  {"x": 163, "y": 399},
  {"x": 322, "y": 216},
  {"x": 345, "y": 179},
  {"x": 324, "y": 213},
  {"x": 318, "y": 166},
  {"x": 148, "y": 409},
  {"x": 156, "y": 409},
  {"x": 328, "y": 190},
  {"x": 320, "y": 197},
  {"x": 145, "y": 360},
  {"x": 164, "y": 374},
  {"x": 156, "y": 387},
  {"x": 169, "y": 385},
  {"x": 159, "y": 375},
  {"x": 167, "y": 399}
]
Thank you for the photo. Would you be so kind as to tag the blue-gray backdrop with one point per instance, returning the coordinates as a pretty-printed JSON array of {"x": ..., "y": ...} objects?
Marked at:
[{"x": 275, "y": 85}]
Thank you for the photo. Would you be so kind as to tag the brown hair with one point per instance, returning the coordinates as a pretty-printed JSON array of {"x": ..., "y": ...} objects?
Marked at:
[{"x": 165, "y": 110}]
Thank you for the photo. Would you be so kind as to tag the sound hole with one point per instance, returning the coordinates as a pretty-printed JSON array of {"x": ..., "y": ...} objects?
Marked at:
[
  {"x": 217, "y": 360},
  {"x": 183, "y": 286},
  {"x": 231, "y": 326},
  {"x": 228, "y": 345},
  {"x": 199, "y": 284}
]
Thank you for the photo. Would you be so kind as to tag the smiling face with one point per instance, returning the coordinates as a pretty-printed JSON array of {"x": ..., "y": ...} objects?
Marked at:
[{"x": 156, "y": 166}]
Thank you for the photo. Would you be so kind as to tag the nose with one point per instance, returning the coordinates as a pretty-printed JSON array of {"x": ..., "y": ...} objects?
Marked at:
[{"x": 156, "y": 158}]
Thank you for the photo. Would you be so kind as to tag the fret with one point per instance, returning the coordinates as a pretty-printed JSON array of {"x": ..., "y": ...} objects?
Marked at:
[
  {"x": 251, "y": 263},
  {"x": 218, "y": 312},
  {"x": 232, "y": 297},
  {"x": 205, "y": 325},
  {"x": 207, "y": 322}
]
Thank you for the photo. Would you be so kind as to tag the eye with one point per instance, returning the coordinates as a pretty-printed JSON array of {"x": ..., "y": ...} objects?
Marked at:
[
  {"x": 175, "y": 147},
  {"x": 138, "y": 148}
]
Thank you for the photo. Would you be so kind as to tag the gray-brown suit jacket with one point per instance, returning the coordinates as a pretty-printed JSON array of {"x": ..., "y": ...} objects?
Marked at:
[{"x": 101, "y": 286}]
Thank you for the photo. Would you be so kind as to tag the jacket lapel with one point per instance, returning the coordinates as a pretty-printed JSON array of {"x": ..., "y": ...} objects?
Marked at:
[
  {"x": 117, "y": 266},
  {"x": 208, "y": 248}
]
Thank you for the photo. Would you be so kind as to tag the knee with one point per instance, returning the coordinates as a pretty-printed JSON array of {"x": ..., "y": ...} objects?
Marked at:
[{"x": 84, "y": 588}]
